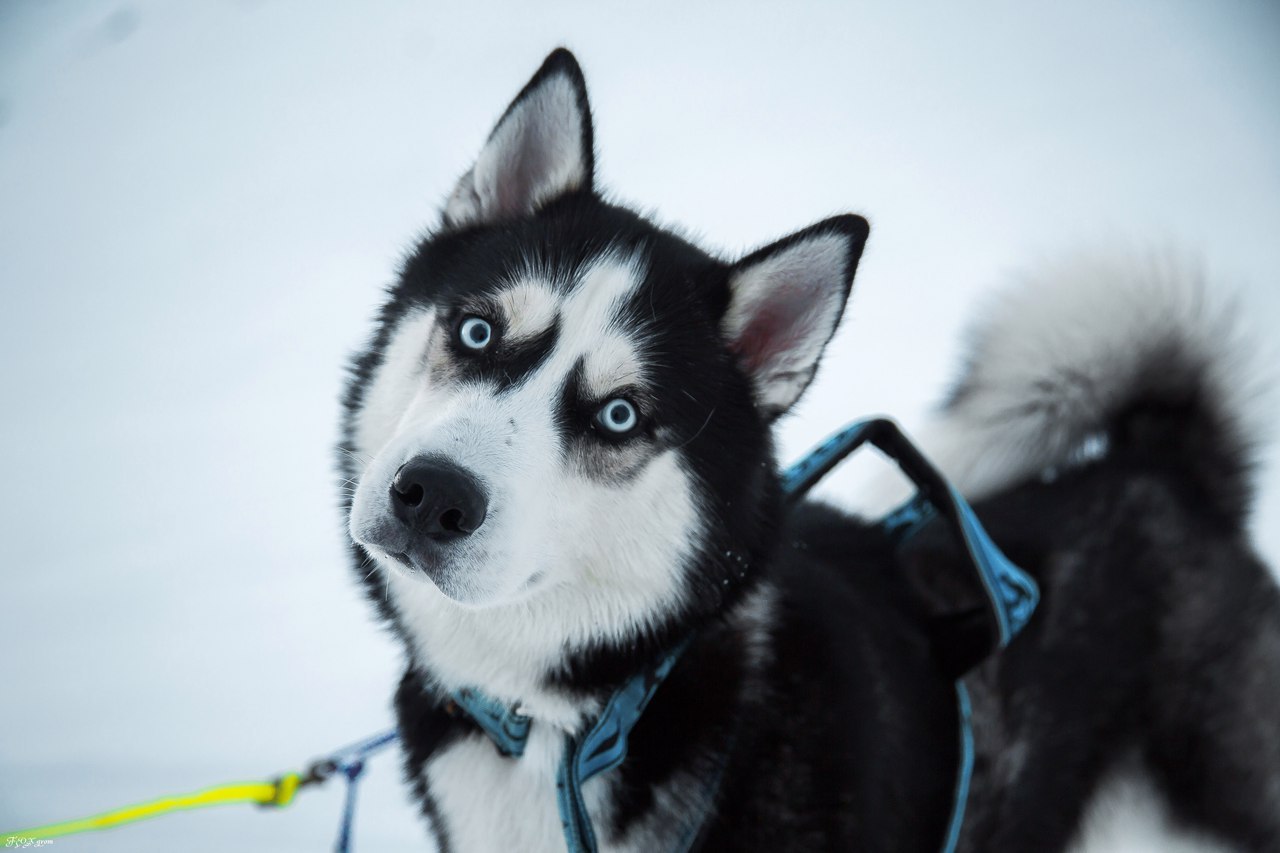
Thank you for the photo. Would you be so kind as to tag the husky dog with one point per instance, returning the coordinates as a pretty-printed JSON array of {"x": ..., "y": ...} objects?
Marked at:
[{"x": 560, "y": 442}]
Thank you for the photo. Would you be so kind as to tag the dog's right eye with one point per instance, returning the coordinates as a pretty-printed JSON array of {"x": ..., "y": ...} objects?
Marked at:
[
  {"x": 618, "y": 417},
  {"x": 475, "y": 333}
]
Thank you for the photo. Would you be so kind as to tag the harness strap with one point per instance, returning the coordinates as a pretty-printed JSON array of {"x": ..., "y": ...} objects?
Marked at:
[
  {"x": 964, "y": 773},
  {"x": 507, "y": 728},
  {"x": 603, "y": 748},
  {"x": 1011, "y": 594}
]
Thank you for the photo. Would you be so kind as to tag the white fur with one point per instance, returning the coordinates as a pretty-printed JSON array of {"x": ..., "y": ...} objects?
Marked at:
[
  {"x": 1051, "y": 356},
  {"x": 611, "y": 364},
  {"x": 394, "y": 384},
  {"x": 1128, "y": 815},
  {"x": 529, "y": 307},
  {"x": 492, "y": 803}
]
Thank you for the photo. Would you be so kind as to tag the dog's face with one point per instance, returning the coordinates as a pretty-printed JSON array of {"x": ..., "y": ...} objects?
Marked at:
[{"x": 563, "y": 396}]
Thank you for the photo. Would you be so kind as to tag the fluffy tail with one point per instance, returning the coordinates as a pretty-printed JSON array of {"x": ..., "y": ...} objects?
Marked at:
[{"x": 1099, "y": 356}]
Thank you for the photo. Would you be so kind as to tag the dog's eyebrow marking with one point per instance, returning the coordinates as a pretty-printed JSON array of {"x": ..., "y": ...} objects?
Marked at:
[
  {"x": 520, "y": 357},
  {"x": 528, "y": 308},
  {"x": 595, "y": 311},
  {"x": 602, "y": 292},
  {"x": 613, "y": 363},
  {"x": 589, "y": 328}
]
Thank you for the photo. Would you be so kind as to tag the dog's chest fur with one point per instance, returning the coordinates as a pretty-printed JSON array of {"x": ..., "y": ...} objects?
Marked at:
[{"x": 489, "y": 802}]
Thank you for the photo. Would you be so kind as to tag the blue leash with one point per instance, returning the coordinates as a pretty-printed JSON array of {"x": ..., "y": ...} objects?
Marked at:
[
  {"x": 349, "y": 761},
  {"x": 1011, "y": 595}
]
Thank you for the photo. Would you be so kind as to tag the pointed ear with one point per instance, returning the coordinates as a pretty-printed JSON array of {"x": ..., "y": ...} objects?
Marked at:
[
  {"x": 785, "y": 301},
  {"x": 540, "y": 149}
]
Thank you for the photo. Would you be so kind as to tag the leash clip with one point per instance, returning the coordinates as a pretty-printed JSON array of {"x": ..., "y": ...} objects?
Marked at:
[{"x": 284, "y": 788}]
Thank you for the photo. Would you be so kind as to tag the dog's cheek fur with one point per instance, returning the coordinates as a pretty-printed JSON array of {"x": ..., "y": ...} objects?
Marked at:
[{"x": 394, "y": 382}]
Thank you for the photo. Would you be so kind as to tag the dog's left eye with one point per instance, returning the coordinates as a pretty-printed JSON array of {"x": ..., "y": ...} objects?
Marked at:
[
  {"x": 618, "y": 416},
  {"x": 475, "y": 333}
]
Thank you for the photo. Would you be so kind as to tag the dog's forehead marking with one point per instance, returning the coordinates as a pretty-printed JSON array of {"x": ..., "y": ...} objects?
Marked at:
[
  {"x": 590, "y": 329},
  {"x": 529, "y": 307}
]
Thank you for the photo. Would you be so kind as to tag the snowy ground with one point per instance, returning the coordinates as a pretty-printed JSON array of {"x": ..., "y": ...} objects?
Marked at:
[{"x": 199, "y": 203}]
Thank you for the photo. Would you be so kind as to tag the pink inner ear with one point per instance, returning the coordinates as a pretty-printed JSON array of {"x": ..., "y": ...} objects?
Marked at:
[{"x": 773, "y": 329}]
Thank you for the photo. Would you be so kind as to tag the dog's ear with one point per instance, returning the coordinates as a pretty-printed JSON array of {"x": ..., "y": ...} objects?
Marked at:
[
  {"x": 540, "y": 149},
  {"x": 784, "y": 304}
]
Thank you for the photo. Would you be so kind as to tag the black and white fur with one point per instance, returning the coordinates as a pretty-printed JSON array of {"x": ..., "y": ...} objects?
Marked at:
[{"x": 518, "y": 544}]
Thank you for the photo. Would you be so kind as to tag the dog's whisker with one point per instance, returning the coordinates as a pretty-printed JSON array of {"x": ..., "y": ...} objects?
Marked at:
[
  {"x": 690, "y": 439},
  {"x": 357, "y": 457}
]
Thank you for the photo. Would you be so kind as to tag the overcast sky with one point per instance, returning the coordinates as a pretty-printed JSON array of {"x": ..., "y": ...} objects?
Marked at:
[{"x": 200, "y": 204}]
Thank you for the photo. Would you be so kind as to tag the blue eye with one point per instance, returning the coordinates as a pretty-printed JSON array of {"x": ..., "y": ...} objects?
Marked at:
[
  {"x": 618, "y": 416},
  {"x": 475, "y": 333}
]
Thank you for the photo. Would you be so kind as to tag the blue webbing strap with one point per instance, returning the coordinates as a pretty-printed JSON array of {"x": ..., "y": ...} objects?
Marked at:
[
  {"x": 350, "y": 761},
  {"x": 603, "y": 748},
  {"x": 508, "y": 730},
  {"x": 1011, "y": 593},
  {"x": 352, "y": 771},
  {"x": 964, "y": 773}
]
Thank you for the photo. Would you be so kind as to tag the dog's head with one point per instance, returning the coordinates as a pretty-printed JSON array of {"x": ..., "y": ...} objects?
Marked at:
[{"x": 563, "y": 396}]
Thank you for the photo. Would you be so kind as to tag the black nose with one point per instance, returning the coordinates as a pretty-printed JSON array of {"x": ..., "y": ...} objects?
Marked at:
[{"x": 437, "y": 498}]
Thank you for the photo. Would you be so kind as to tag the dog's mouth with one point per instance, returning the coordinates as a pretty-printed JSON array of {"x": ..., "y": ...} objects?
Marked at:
[
  {"x": 407, "y": 549},
  {"x": 419, "y": 561},
  {"x": 462, "y": 581}
]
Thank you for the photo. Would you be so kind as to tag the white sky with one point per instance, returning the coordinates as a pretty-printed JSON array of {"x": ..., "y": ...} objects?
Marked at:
[{"x": 199, "y": 205}]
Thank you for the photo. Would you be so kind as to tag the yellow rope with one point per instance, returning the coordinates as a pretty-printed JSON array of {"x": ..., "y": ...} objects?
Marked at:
[{"x": 277, "y": 792}]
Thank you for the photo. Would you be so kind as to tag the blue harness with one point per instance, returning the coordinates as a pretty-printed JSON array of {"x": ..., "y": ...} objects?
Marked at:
[{"x": 1010, "y": 593}]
